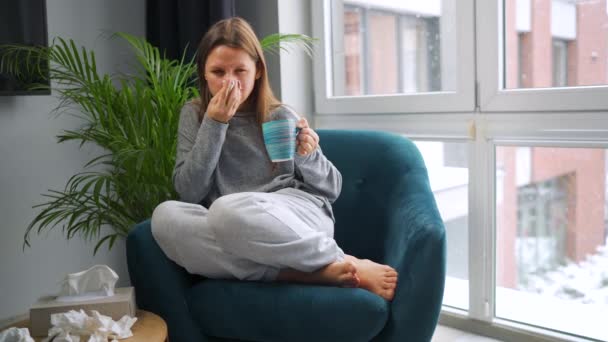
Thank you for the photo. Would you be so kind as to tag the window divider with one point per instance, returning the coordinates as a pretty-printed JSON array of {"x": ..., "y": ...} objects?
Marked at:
[{"x": 481, "y": 228}]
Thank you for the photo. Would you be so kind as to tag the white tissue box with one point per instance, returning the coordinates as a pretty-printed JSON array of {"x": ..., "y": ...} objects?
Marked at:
[{"x": 120, "y": 304}]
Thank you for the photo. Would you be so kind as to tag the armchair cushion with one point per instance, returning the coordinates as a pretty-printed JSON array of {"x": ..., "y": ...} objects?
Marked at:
[{"x": 275, "y": 312}]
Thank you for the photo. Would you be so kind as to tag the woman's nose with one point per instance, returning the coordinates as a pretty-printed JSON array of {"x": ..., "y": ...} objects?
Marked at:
[{"x": 229, "y": 79}]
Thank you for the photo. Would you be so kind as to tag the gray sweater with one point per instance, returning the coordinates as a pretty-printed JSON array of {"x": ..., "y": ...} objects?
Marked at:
[{"x": 216, "y": 159}]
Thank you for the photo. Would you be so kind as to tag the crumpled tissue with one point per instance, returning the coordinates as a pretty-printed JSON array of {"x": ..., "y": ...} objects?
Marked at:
[
  {"x": 72, "y": 325},
  {"x": 16, "y": 335},
  {"x": 97, "y": 281}
]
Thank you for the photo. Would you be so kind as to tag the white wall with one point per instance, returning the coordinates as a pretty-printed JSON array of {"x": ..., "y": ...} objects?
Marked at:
[
  {"x": 295, "y": 64},
  {"x": 31, "y": 161}
]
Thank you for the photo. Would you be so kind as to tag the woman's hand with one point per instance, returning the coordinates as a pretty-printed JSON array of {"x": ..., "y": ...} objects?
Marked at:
[
  {"x": 225, "y": 102},
  {"x": 307, "y": 140}
]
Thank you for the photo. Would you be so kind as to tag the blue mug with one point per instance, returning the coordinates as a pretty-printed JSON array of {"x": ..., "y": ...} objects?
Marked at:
[{"x": 280, "y": 139}]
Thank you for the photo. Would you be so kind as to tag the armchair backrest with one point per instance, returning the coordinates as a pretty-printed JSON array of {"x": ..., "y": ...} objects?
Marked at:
[{"x": 377, "y": 175}]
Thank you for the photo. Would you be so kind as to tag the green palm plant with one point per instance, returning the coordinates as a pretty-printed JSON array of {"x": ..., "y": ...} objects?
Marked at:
[{"x": 133, "y": 118}]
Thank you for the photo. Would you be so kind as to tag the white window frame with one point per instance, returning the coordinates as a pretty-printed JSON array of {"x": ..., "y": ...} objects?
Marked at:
[
  {"x": 561, "y": 117},
  {"x": 460, "y": 100},
  {"x": 583, "y": 130},
  {"x": 494, "y": 98}
]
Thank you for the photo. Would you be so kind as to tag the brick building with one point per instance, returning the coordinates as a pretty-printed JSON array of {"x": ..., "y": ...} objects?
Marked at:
[{"x": 552, "y": 196}]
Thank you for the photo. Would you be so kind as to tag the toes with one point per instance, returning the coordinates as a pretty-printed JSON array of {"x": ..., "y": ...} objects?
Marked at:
[
  {"x": 390, "y": 279},
  {"x": 390, "y": 273},
  {"x": 353, "y": 281},
  {"x": 349, "y": 279},
  {"x": 356, "y": 281},
  {"x": 387, "y": 294},
  {"x": 387, "y": 286}
]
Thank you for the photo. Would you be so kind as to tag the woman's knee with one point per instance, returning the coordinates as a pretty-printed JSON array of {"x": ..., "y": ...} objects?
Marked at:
[
  {"x": 163, "y": 216},
  {"x": 227, "y": 215}
]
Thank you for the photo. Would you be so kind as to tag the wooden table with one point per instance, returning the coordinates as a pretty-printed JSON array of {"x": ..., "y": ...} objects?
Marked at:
[{"x": 149, "y": 327}]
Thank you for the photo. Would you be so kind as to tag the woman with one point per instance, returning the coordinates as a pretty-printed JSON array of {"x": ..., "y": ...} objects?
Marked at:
[{"x": 265, "y": 221}]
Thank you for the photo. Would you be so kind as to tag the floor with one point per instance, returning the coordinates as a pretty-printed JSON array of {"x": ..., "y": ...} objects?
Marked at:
[{"x": 447, "y": 334}]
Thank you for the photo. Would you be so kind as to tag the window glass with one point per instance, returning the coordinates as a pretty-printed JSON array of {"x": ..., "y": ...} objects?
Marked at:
[
  {"x": 552, "y": 225},
  {"x": 392, "y": 47},
  {"x": 555, "y": 43},
  {"x": 447, "y": 165}
]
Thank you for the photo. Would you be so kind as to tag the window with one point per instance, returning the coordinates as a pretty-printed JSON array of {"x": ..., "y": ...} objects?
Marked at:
[
  {"x": 389, "y": 52},
  {"x": 522, "y": 66},
  {"x": 553, "y": 38},
  {"x": 354, "y": 58},
  {"x": 447, "y": 164},
  {"x": 560, "y": 63},
  {"x": 381, "y": 52},
  {"x": 551, "y": 239},
  {"x": 542, "y": 46},
  {"x": 508, "y": 102}
]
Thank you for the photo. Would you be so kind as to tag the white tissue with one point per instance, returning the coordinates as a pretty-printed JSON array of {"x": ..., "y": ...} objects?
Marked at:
[
  {"x": 16, "y": 335},
  {"x": 72, "y": 325},
  {"x": 97, "y": 281}
]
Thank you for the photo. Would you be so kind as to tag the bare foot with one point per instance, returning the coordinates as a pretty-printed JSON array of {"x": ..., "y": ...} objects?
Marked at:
[
  {"x": 376, "y": 278},
  {"x": 340, "y": 273}
]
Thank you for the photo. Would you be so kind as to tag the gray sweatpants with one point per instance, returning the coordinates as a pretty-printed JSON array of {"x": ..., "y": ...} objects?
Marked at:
[{"x": 250, "y": 235}]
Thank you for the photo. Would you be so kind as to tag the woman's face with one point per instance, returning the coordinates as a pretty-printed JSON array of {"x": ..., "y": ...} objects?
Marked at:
[{"x": 225, "y": 63}]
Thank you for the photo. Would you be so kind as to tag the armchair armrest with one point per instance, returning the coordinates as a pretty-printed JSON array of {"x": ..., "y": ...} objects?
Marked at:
[
  {"x": 415, "y": 246},
  {"x": 160, "y": 284}
]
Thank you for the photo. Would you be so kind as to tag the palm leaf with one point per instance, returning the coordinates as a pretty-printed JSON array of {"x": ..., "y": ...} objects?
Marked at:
[{"x": 276, "y": 42}]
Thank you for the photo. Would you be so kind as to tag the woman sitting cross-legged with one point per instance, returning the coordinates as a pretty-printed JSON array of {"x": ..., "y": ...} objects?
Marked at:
[{"x": 240, "y": 215}]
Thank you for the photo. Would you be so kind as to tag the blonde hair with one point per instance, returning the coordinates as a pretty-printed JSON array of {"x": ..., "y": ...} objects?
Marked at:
[{"x": 236, "y": 33}]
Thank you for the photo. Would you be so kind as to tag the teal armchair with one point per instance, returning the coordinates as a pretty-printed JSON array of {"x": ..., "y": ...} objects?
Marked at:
[{"x": 386, "y": 212}]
